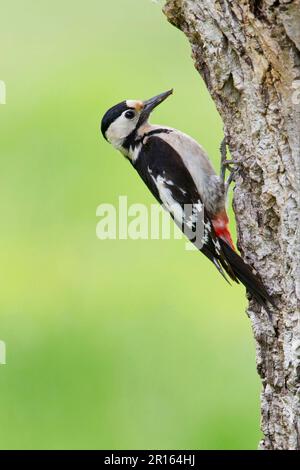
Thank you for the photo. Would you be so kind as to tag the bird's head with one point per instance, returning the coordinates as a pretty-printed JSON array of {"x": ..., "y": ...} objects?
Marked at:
[{"x": 126, "y": 118}]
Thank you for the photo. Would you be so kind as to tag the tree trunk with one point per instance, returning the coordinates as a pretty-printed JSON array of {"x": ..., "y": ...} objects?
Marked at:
[{"x": 248, "y": 53}]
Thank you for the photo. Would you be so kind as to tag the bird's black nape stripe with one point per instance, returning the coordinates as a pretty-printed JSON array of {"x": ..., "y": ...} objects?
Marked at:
[
  {"x": 132, "y": 140},
  {"x": 161, "y": 130},
  {"x": 111, "y": 115}
]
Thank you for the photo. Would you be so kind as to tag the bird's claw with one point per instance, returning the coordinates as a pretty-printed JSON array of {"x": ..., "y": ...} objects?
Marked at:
[{"x": 228, "y": 163}]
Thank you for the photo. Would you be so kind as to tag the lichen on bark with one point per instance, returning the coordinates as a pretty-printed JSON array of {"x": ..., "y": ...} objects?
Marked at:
[{"x": 248, "y": 54}]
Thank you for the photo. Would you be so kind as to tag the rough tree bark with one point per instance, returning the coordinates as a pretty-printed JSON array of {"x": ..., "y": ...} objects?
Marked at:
[{"x": 248, "y": 53}]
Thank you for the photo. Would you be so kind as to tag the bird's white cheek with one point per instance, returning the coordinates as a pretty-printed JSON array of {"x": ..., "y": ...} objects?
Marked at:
[
  {"x": 119, "y": 130},
  {"x": 114, "y": 138}
]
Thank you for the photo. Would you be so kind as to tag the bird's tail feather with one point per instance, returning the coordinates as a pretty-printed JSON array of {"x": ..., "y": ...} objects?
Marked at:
[{"x": 243, "y": 273}]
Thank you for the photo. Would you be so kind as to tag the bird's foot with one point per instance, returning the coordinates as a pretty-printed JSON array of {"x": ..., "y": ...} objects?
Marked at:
[
  {"x": 227, "y": 165},
  {"x": 223, "y": 151}
]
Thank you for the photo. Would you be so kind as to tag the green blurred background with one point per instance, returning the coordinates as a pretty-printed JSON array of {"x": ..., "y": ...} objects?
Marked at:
[{"x": 110, "y": 344}]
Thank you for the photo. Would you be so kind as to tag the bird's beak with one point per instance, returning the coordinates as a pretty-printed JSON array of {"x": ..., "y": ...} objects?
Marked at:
[{"x": 150, "y": 104}]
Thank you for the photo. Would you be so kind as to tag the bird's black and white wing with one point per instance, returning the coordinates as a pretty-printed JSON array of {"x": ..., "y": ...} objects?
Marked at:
[
  {"x": 165, "y": 174},
  {"x": 163, "y": 171}
]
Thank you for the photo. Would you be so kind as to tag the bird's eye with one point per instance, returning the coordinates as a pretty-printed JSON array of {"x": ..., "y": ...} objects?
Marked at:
[{"x": 129, "y": 114}]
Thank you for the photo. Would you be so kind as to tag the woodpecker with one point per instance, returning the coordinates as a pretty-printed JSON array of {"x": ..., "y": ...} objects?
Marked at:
[{"x": 179, "y": 174}]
